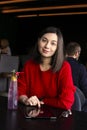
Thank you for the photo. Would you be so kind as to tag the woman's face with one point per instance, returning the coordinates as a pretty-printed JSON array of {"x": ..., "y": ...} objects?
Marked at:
[{"x": 47, "y": 44}]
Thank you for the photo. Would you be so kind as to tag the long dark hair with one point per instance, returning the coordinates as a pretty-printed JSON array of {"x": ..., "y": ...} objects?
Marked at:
[{"x": 58, "y": 57}]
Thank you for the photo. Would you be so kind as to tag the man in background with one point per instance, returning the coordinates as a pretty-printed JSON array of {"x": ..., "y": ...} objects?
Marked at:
[
  {"x": 4, "y": 47},
  {"x": 79, "y": 73}
]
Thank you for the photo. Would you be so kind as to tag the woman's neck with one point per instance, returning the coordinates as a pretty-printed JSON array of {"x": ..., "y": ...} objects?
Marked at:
[{"x": 45, "y": 65}]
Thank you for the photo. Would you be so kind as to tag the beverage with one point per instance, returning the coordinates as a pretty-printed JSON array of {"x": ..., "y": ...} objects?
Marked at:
[{"x": 12, "y": 93}]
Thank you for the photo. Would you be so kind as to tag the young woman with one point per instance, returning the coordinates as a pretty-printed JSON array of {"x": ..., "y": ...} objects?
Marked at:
[{"x": 46, "y": 78}]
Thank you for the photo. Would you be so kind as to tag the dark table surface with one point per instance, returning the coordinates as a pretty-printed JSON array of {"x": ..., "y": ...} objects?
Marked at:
[{"x": 15, "y": 120}]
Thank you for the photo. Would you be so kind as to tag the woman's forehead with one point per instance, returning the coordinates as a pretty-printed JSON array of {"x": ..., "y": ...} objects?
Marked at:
[{"x": 52, "y": 36}]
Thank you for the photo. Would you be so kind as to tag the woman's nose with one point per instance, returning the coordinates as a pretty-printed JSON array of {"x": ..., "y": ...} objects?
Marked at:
[{"x": 47, "y": 45}]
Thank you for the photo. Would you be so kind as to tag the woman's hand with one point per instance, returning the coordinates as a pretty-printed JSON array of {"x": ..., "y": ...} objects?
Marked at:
[
  {"x": 34, "y": 101},
  {"x": 34, "y": 113}
]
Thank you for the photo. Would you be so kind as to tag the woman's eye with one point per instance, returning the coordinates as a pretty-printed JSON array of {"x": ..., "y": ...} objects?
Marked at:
[
  {"x": 44, "y": 40},
  {"x": 53, "y": 43}
]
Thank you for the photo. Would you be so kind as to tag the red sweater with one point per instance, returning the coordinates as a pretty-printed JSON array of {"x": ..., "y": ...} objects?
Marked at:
[{"x": 55, "y": 89}]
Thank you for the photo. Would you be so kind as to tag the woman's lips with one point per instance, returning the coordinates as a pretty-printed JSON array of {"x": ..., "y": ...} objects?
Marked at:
[{"x": 45, "y": 51}]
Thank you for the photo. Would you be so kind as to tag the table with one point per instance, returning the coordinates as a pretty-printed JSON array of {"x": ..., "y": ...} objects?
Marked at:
[{"x": 14, "y": 120}]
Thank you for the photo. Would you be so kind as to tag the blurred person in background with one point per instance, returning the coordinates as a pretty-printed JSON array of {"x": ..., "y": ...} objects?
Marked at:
[
  {"x": 4, "y": 47},
  {"x": 79, "y": 73}
]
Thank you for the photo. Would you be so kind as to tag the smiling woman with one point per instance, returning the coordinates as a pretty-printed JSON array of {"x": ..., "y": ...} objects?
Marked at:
[
  {"x": 46, "y": 78},
  {"x": 48, "y": 44}
]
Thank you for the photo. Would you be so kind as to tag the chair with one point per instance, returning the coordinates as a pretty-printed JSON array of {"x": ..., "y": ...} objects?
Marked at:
[
  {"x": 79, "y": 100},
  {"x": 7, "y": 65}
]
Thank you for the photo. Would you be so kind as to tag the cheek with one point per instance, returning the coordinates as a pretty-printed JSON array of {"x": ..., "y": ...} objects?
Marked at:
[
  {"x": 39, "y": 44},
  {"x": 39, "y": 47},
  {"x": 54, "y": 49}
]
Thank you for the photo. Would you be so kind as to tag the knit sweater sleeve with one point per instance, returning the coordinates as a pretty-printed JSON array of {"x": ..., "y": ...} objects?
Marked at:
[
  {"x": 23, "y": 80},
  {"x": 65, "y": 87}
]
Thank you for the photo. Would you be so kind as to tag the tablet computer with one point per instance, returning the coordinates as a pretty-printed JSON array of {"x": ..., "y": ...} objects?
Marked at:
[{"x": 39, "y": 113}]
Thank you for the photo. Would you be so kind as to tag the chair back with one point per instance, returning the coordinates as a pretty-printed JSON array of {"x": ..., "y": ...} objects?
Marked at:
[
  {"x": 7, "y": 64},
  {"x": 79, "y": 100}
]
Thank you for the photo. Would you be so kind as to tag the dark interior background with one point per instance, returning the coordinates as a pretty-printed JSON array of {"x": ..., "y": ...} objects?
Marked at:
[{"x": 22, "y": 33}]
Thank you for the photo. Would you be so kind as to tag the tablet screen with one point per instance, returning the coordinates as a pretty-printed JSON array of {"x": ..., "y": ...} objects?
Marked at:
[{"x": 39, "y": 113}]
